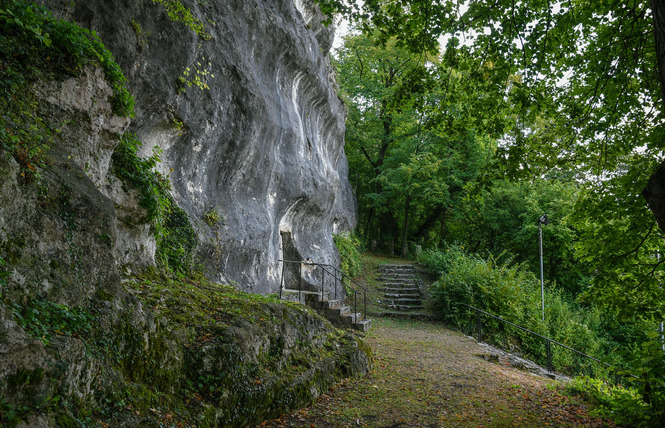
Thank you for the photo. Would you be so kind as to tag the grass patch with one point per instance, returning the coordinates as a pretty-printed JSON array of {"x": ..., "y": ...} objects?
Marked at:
[{"x": 201, "y": 306}]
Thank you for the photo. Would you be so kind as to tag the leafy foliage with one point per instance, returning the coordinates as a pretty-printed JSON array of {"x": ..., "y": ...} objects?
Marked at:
[
  {"x": 180, "y": 13},
  {"x": 348, "y": 246},
  {"x": 624, "y": 248},
  {"x": 646, "y": 373},
  {"x": 512, "y": 293},
  {"x": 410, "y": 151},
  {"x": 503, "y": 219},
  {"x": 43, "y": 318},
  {"x": 34, "y": 45},
  {"x": 623, "y": 405},
  {"x": 578, "y": 95},
  {"x": 176, "y": 239}
]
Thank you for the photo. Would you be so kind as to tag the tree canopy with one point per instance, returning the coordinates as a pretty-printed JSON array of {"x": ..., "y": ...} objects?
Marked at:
[{"x": 570, "y": 89}]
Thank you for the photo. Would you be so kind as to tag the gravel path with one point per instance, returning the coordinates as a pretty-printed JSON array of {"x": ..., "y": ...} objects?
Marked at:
[{"x": 427, "y": 376}]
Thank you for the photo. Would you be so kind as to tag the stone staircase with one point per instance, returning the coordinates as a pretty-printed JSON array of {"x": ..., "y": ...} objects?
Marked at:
[
  {"x": 401, "y": 288},
  {"x": 334, "y": 310},
  {"x": 337, "y": 312}
]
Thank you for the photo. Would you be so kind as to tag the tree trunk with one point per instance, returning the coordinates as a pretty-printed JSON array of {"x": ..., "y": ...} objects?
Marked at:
[
  {"x": 406, "y": 226},
  {"x": 443, "y": 232},
  {"x": 654, "y": 192}
]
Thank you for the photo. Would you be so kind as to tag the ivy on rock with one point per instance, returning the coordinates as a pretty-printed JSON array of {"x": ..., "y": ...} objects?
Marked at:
[{"x": 176, "y": 238}]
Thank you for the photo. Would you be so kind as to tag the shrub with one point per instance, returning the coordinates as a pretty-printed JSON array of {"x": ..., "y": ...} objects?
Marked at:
[
  {"x": 348, "y": 246},
  {"x": 623, "y": 405},
  {"x": 511, "y": 292},
  {"x": 34, "y": 45}
]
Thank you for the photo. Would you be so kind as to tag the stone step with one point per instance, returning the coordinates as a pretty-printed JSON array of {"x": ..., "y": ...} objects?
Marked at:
[
  {"x": 352, "y": 318},
  {"x": 362, "y": 325},
  {"x": 315, "y": 295},
  {"x": 399, "y": 281},
  {"x": 404, "y": 300},
  {"x": 401, "y": 268},
  {"x": 397, "y": 275},
  {"x": 402, "y": 292},
  {"x": 336, "y": 312},
  {"x": 326, "y": 304},
  {"x": 413, "y": 295},
  {"x": 405, "y": 307}
]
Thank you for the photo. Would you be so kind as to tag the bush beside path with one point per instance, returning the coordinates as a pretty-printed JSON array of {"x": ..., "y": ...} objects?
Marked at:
[{"x": 425, "y": 375}]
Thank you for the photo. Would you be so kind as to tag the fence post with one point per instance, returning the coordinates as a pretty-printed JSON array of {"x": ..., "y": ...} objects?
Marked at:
[
  {"x": 323, "y": 280},
  {"x": 550, "y": 368},
  {"x": 300, "y": 282},
  {"x": 480, "y": 328}
]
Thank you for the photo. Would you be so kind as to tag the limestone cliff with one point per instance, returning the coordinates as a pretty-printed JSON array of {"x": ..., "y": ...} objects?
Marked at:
[
  {"x": 261, "y": 143},
  {"x": 103, "y": 321}
]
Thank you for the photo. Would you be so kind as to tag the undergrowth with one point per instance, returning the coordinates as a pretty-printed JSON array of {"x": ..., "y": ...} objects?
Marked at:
[
  {"x": 512, "y": 292},
  {"x": 34, "y": 45},
  {"x": 348, "y": 246},
  {"x": 198, "y": 304}
]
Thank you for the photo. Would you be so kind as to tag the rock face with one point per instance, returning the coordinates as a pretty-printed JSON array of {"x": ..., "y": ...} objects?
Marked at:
[
  {"x": 259, "y": 149},
  {"x": 261, "y": 144}
]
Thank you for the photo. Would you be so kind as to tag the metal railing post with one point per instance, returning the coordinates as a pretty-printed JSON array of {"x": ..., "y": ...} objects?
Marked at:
[
  {"x": 480, "y": 326},
  {"x": 550, "y": 367},
  {"x": 281, "y": 281},
  {"x": 300, "y": 282},
  {"x": 335, "y": 283},
  {"x": 355, "y": 303},
  {"x": 323, "y": 281}
]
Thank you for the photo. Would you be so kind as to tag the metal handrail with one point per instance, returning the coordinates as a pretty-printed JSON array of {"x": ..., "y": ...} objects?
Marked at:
[
  {"x": 549, "y": 341},
  {"x": 338, "y": 277}
]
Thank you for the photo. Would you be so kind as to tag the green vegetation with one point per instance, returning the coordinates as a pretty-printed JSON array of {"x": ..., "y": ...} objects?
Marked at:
[
  {"x": 176, "y": 239},
  {"x": 409, "y": 164},
  {"x": 203, "y": 307},
  {"x": 35, "y": 45},
  {"x": 212, "y": 217},
  {"x": 197, "y": 74},
  {"x": 180, "y": 13},
  {"x": 530, "y": 108},
  {"x": 3, "y": 275},
  {"x": 348, "y": 246},
  {"x": 42, "y": 318},
  {"x": 513, "y": 293}
]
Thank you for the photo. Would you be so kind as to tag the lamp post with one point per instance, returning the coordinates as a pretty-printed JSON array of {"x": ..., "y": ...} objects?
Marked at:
[{"x": 542, "y": 220}]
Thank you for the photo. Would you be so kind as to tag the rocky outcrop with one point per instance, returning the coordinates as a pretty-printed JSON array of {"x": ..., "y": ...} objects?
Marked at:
[
  {"x": 255, "y": 159},
  {"x": 261, "y": 144}
]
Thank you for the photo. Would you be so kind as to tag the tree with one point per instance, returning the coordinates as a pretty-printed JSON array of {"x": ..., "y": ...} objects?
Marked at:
[
  {"x": 381, "y": 86},
  {"x": 503, "y": 221},
  {"x": 591, "y": 75},
  {"x": 410, "y": 141}
]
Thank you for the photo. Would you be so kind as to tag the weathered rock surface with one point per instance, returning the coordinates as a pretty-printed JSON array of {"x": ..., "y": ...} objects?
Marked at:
[
  {"x": 263, "y": 146},
  {"x": 72, "y": 333}
]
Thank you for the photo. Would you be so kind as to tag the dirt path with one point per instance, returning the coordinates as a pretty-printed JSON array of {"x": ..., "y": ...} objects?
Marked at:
[{"x": 427, "y": 376}]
